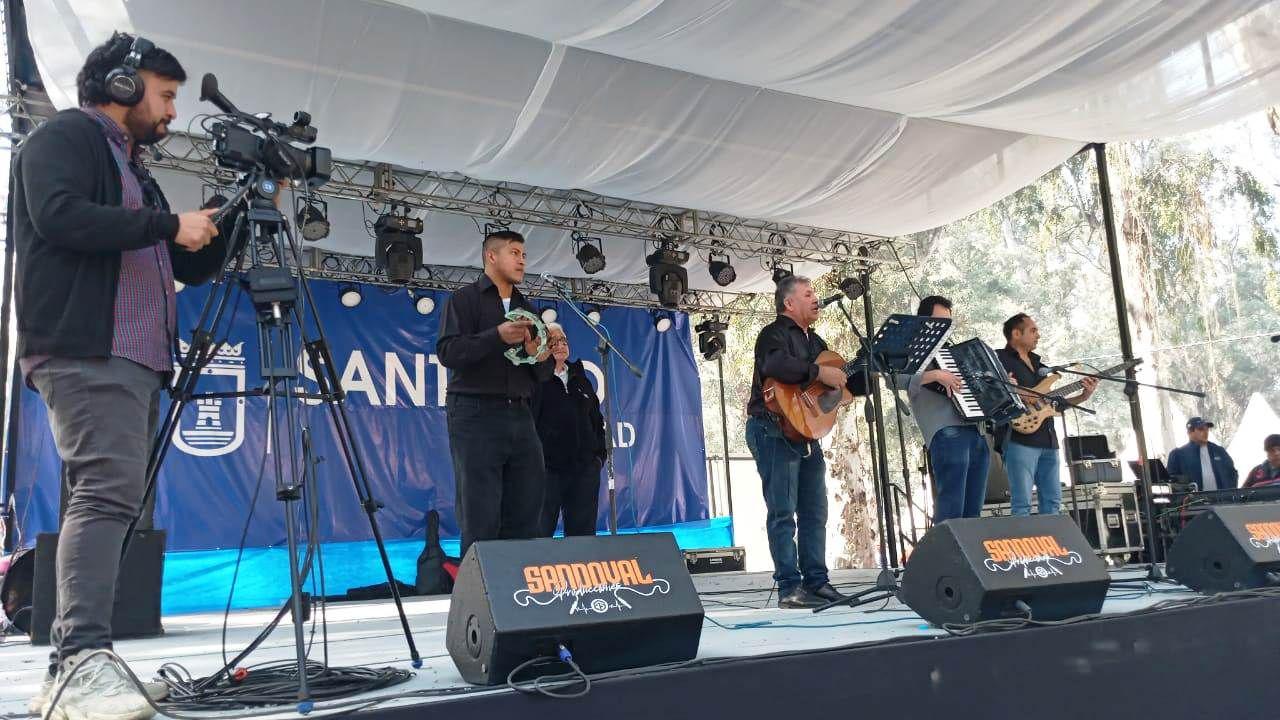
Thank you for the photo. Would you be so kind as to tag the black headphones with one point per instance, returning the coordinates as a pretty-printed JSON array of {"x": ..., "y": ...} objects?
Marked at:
[{"x": 122, "y": 84}]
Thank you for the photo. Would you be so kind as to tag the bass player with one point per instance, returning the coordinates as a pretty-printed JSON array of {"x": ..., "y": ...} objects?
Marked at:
[
  {"x": 1032, "y": 457},
  {"x": 793, "y": 473}
]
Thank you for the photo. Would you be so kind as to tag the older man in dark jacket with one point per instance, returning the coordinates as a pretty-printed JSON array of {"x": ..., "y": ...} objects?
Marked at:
[{"x": 567, "y": 412}]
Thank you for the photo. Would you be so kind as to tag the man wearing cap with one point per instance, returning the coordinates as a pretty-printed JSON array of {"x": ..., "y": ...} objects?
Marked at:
[{"x": 1204, "y": 463}]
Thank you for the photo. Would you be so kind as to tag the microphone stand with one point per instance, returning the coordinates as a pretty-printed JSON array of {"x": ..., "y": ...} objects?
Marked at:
[
  {"x": 886, "y": 585},
  {"x": 603, "y": 347},
  {"x": 1131, "y": 383},
  {"x": 1145, "y": 481}
]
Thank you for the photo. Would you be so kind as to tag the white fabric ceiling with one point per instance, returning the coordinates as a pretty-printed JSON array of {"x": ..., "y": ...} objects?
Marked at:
[{"x": 879, "y": 117}]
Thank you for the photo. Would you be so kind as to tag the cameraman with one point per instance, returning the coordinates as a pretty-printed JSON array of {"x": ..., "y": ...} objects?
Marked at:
[{"x": 98, "y": 251}]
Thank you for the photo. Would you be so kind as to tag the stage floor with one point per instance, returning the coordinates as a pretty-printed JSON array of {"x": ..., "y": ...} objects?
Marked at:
[{"x": 742, "y": 620}]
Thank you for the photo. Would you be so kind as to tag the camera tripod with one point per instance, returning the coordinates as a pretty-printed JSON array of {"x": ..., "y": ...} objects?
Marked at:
[{"x": 285, "y": 313}]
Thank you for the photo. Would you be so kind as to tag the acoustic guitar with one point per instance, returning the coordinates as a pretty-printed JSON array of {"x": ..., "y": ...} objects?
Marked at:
[
  {"x": 809, "y": 412},
  {"x": 1040, "y": 409}
]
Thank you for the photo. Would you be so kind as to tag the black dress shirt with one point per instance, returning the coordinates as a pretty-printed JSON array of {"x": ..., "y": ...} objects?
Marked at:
[
  {"x": 1028, "y": 377},
  {"x": 469, "y": 345},
  {"x": 786, "y": 353}
]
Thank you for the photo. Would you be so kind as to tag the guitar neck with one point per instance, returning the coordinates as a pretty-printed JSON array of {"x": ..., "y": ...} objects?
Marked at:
[{"x": 1074, "y": 387}]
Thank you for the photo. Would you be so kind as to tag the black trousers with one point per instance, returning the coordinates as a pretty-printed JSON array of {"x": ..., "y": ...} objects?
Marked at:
[
  {"x": 577, "y": 493},
  {"x": 497, "y": 468}
]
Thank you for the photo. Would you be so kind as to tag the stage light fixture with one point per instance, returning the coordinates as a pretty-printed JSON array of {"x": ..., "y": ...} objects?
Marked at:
[
  {"x": 398, "y": 247},
  {"x": 349, "y": 295},
  {"x": 721, "y": 269},
  {"x": 662, "y": 321},
  {"x": 593, "y": 315},
  {"x": 424, "y": 304},
  {"x": 668, "y": 279},
  {"x": 590, "y": 253},
  {"x": 313, "y": 218},
  {"x": 549, "y": 314},
  {"x": 781, "y": 271},
  {"x": 711, "y": 337}
]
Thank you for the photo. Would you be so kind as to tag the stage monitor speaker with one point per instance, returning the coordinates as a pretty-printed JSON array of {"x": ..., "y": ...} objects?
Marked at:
[
  {"x": 967, "y": 570},
  {"x": 136, "y": 612},
  {"x": 1228, "y": 547},
  {"x": 615, "y": 602}
]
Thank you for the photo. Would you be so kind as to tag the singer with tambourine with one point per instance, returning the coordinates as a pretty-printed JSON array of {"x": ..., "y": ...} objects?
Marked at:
[{"x": 496, "y": 351}]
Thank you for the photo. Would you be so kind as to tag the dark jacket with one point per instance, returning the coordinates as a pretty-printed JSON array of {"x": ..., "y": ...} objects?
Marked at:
[
  {"x": 469, "y": 344},
  {"x": 569, "y": 421},
  {"x": 1262, "y": 475},
  {"x": 1186, "y": 461},
  {"x": 69, "y": 229}
]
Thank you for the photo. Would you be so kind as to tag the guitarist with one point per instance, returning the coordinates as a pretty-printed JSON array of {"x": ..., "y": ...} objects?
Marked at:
[
  {"x": 793, "y": 474},
  {"x": 1033, "y": 457}
]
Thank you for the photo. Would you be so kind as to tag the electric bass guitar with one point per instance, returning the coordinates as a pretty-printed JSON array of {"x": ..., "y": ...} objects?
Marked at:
[
  {"x": 1040, "y": 409},
  {"x": 808, "y": 412}
]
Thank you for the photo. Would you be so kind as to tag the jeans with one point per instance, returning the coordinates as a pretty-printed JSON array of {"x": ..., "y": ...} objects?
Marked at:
[
  {"x": 1024, "y": 465},
  {"x": 577, "y": 493},
  {"x": 497, "y": 468},
  {"x": 795, "y": 495},
  {"x": 960, "y": 459},
  {"x": 103, "y": 413}
]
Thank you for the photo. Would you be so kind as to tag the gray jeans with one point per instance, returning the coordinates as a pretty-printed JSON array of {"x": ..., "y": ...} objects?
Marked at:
[{"x": 103, "y": 413}]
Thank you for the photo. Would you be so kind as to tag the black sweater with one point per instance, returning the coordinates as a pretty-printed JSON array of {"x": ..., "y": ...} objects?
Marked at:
[{"x": 69, "y": 229}]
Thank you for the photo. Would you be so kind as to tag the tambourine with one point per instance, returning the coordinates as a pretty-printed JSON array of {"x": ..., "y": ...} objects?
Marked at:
[{"x": 517, "y": 355}]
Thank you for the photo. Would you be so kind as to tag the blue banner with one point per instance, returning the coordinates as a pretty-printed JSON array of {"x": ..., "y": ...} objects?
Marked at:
[{"x": 384, "y": 353}]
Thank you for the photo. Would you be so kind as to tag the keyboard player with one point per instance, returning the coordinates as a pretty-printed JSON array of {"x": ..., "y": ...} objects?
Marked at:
[{"x": 958, "y": 453}]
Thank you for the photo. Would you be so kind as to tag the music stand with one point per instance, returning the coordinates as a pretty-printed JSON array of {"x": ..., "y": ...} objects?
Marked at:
[
  {"x": 911, "y": 341},
  {"x": 1159, "y": 473}
]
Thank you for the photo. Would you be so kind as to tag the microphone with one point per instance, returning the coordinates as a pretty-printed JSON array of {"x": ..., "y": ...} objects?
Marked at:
[
  {"x": 1045, "y": 371},
  {"x": 548, "y": 279},
  {"x": 209, "y": 93},
  {"x": 830, "y": 300},
  {"x": 1275, "y": 338}
]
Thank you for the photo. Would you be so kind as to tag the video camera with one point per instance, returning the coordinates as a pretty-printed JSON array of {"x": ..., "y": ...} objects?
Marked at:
[{"x": 246, "y": 142}]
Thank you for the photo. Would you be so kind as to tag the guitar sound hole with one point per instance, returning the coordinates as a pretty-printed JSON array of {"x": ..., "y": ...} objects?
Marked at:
[{"x": 830, "y": 400}]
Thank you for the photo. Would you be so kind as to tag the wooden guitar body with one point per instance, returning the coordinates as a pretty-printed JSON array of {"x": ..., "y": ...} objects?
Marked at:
[
  {"x": 808, "y": 412},
  {"x": 1038, "y": 409}
]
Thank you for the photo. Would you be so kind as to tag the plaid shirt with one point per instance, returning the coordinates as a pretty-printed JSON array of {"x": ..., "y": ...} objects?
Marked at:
[{"x": 146, "y": 304}]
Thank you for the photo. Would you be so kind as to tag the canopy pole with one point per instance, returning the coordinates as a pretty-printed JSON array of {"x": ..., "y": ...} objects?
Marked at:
[
  {"x": 10, "y": 391},
  {"x": 1126, "y": 350},
  {"x": 724, "y": 436}
]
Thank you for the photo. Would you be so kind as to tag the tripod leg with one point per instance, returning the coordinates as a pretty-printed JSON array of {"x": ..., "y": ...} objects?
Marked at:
[{"x": 330, "y": 387}]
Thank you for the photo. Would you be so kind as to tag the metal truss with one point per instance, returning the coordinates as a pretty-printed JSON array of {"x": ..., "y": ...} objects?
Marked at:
[
  {"x": 504, "y": 203},
  {"x": 355, "y": 268},
  {"x": 574, "y": 211}
]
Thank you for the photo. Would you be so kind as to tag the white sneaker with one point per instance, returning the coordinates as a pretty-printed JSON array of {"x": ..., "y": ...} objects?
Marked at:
[
  {"x": 157, "y": 691},
  {"x": 95, "y": 689}
]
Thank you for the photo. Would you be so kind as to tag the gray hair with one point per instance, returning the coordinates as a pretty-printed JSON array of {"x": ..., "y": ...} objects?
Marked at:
[{"x": 787, "y": 286}]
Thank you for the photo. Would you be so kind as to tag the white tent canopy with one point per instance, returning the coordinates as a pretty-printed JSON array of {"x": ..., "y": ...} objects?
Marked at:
[
  {"x": 880, "y": 117},
  {"x": 1259, "y": 421}
]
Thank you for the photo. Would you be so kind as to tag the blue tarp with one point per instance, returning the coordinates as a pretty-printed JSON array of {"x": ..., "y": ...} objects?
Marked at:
[
  {"x": 199, "y": 580},
  {"x": 383, "y": 351}
]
